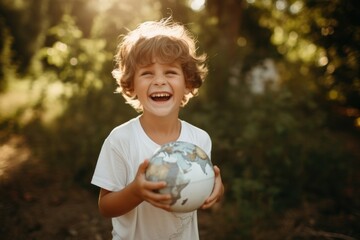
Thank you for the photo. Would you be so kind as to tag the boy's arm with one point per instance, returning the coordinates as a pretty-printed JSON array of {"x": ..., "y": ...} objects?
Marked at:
[{"x": 114, "y": 204}]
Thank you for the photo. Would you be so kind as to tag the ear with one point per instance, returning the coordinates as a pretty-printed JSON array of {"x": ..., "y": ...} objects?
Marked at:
[
  {"x": 187, "y": 91},
  {"x": 132, "y": 93}
]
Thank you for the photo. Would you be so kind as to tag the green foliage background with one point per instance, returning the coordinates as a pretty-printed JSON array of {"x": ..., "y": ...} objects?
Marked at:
[{"x": 277, "y": 150}]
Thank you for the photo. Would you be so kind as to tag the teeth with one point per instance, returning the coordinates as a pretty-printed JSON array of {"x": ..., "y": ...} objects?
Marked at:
[{"x": 160, "y": 95}]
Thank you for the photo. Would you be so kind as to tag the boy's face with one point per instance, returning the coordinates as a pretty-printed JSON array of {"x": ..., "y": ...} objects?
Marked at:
[{"x": 160, "y": 88}]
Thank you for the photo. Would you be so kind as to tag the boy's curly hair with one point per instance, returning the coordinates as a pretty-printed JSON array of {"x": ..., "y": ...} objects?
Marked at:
[{"x": 166, "y": 42}]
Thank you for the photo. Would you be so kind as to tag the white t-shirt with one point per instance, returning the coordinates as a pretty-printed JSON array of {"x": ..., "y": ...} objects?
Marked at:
[{"x": 126, "y": 147}]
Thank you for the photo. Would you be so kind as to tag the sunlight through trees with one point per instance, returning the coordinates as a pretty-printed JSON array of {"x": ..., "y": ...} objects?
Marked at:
[{"x": 281, "y": 101}]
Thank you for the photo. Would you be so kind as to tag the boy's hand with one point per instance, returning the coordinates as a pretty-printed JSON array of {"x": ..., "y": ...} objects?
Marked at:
[
  {"x": 146, "y": 190},
  {"x": 217, "y": 192}
]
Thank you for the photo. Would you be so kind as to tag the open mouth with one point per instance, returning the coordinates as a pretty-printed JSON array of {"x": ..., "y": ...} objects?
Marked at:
[{"x": 158, "y": 97}]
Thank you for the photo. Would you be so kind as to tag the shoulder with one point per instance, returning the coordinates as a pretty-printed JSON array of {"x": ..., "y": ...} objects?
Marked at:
[
  {"x": 197, "y": 136},
  {"x": 123, "y": 131},
  {"x": 194, "y": 131},
  {"x": 122, "y": 136}
]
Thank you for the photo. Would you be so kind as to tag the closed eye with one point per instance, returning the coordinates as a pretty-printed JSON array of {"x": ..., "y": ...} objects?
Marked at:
[
  {"x": 171, "y": 73},
  {"x": 145, "y": 73}
]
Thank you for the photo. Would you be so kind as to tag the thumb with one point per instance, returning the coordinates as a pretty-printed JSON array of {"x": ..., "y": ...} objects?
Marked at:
[
  {"x": 216, "y": 170},
  {"x": 143, "y": 166}
]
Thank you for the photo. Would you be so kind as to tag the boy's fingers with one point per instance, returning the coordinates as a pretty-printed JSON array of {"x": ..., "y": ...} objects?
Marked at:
[{"x": 156, "y": 185}]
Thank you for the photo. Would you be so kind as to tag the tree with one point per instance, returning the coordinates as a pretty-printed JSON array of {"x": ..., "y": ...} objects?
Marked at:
[{"x": 322, "y": 36}]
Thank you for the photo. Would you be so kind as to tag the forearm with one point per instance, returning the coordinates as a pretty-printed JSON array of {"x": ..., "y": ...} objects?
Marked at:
[{"x": 114, "y": 204}]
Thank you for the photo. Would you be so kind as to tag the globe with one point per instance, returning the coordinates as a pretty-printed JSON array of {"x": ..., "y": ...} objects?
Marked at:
[{"x": 188, "y": 172}]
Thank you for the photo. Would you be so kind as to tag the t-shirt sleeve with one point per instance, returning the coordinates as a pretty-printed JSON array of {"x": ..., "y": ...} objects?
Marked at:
[
  {"x": 207, "y": 144},
  {"x": 111, "y": 168},
  {"x": 197, "y": 136}
]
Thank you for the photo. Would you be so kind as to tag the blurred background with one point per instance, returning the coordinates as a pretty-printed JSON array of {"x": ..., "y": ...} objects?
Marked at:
[{"x": 281, "y": 103}]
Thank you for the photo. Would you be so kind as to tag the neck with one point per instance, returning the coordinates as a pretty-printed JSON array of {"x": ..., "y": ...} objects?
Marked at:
[{"x": 161, "y": 129}]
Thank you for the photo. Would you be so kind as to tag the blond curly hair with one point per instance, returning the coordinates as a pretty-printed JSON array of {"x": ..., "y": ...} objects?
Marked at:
[{"x": 165, "y": 41}]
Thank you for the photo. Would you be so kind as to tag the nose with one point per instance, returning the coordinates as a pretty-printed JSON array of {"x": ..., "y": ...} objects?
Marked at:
[{"x": 159, "y": 80}]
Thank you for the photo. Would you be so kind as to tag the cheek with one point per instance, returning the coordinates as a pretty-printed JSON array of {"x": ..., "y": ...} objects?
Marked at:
[{"x": 138, "y": 88}]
